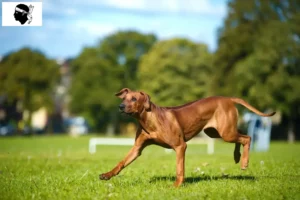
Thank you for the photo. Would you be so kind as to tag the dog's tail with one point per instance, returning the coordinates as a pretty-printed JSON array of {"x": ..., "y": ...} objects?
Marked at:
[{"x": 247, "y": 105}]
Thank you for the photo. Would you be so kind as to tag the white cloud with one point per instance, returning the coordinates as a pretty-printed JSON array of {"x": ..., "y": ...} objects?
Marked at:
[
  {"x": 171, "y": 5},
  {"x": 205, "y": 7},
  {"x": 128, "y": 4},
  {"x": 71, "y": 11},
  {"x": 93, "y": 28},
  {"x": 52, "y": 25},
  {"x": 54, "y": 7}
]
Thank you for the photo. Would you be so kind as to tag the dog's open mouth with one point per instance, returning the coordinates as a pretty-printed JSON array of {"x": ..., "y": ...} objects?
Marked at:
[
  {"x": 127, "y": 113},
  {"x": 130, "y": 113}
]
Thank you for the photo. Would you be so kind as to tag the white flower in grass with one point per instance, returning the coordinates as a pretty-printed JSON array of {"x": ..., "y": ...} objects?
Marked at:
[
  {"x": 110, "y": 187},
  {"x": 110, "y": 194},
  {"x": 198, "y": 169},
  {"x": 59, "y": 153},
  {"x": 222, "y": 169},
  {"x": 225, "y": 175},
  {"x": 223, "y": 172},
  {"x": 262, "y": 162}
]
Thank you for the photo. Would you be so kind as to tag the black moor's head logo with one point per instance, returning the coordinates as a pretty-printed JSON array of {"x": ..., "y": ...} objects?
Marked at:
[{"x": 23, "y": 13}]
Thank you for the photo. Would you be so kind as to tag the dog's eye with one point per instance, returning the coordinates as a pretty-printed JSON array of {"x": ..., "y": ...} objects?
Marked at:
[{"x": 133, "y": 99}]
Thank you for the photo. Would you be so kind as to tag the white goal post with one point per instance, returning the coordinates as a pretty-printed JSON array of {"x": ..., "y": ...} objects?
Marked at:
[{"x": 130, "y": 142}]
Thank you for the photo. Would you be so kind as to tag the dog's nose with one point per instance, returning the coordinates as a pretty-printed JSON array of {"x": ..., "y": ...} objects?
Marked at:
[{"x": 122, "y": 106}]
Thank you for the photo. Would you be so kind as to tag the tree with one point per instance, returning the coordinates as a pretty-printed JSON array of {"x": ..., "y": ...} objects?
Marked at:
[
  {"x": 101, "y": 71},
  {"x": 94, "y": 80},
  {"x": 124, "y": 49},
  {"x": 259, "y": 53},
  {"x": 30, "y": 77},
  {"x": 175, "y": 71}
]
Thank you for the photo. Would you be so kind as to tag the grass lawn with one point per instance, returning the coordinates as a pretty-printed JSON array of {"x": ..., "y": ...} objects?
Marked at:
[{"x": 60, "y": 167}]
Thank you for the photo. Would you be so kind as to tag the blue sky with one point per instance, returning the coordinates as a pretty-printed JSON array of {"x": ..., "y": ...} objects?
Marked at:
[{"x": 70, "y": 25}]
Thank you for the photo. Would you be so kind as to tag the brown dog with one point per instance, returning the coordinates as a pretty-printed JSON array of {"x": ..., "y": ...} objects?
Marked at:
[{"x": 172, "y": 127}]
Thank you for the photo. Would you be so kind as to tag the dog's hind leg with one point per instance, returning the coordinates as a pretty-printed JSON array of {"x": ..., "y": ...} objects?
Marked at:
[
  {"x": 245, "y": 140},
  {"x": 238, "y": 139}
]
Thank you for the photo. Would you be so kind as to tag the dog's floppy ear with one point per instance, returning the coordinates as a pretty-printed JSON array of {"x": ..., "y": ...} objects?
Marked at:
[
  {"x": 122, "y": 93},
  {"x": 147, "y": 104}
]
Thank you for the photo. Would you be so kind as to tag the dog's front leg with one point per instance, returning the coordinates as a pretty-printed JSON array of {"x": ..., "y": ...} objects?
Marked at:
[
  {"x": 180, "y": 162},
  {"x": 140, "y": 143}
]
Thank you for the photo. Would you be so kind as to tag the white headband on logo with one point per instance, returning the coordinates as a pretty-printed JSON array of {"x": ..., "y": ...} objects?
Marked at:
[{"x": 20, "y": 10}]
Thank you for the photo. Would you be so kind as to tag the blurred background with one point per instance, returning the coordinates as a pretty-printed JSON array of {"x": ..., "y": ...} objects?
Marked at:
[{"x": 60, "y": 78}]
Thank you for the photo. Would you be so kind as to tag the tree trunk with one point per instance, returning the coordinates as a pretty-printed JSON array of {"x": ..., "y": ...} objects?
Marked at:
[
  {"x": 49, "y": 126},
  {"x": 28, "y": 107},
  {"x": 112, "y": 126},
  {"x": 30, "y": 131},
  {"x": 291, "y": 132}
]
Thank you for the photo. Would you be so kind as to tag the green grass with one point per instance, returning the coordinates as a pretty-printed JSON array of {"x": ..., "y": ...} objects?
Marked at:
[{"x": 61, "y": 168}]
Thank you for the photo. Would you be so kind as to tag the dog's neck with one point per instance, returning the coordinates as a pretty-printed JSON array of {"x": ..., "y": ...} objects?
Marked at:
[{"x": 152, "y": 119}]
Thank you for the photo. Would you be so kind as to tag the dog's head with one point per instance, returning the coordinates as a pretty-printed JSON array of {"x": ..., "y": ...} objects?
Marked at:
[{"x": 134, "y": 102}]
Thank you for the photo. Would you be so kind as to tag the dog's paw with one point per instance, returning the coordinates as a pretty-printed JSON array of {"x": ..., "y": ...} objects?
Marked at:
[
  {"x": 104, "y": 177},
  {"x": 244, "y": 167},
  {"x": 244, "y": 164},
  {"x": 178, "y": 183}
]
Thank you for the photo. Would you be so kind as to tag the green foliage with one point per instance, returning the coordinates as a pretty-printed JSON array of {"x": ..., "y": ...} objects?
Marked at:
[
  {"x": 61, "y": 168},
  {"x": 125, "y": 49},
  {"x": 175, "y": 71},
  {"x": 270, "y": 79},
  {"x": 258, "y": 52},
  {"x": 99, "y": 72},
  {"x": 94, "y": 77},
  {"x": 28, "y": 76}
]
